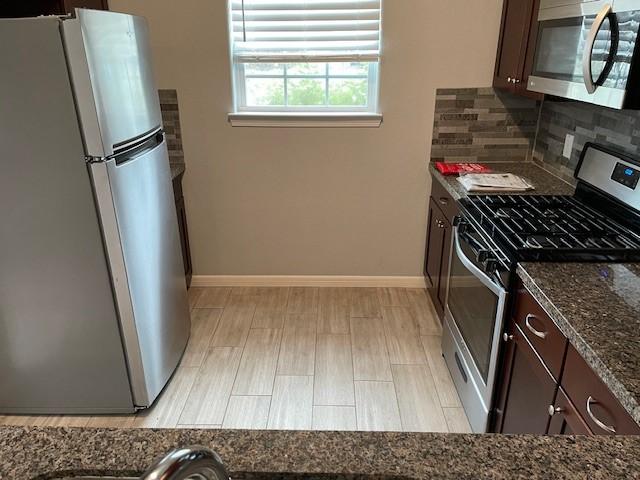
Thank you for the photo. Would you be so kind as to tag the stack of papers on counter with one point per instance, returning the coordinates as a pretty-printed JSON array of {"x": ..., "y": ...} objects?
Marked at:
[{"x": 494, "y": 182}]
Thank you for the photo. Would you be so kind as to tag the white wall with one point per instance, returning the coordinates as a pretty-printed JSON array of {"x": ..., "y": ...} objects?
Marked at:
[{"x": 315, "y": 201}]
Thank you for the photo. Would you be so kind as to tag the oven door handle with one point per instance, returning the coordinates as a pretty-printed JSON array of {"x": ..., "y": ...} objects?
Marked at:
[
  {"x": 587, "y": 73},
  {"x": 495, "y": 287}
]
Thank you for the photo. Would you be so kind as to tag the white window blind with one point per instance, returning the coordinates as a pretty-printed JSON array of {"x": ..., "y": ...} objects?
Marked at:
[{"x": 273, "y": 31}]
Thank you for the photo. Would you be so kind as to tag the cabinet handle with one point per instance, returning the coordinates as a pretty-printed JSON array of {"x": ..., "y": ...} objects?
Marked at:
[
  {"x": 440, "y": 223},
  {"x": 553, "y": 410},
  {"x": 516, "y": 80},
  {"x": 507, "y": 337},
  {"x": 443, "y": 200},
  {"x": 537, "y": 333},
  {"x": 595, "y": 419},
  {"x": 509, "y": 79}
]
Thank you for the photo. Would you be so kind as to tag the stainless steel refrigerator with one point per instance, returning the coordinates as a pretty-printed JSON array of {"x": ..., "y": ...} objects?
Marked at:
[{"x": 94, "y": 315}]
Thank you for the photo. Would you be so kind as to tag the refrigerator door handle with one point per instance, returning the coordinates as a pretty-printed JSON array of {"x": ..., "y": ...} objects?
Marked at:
[
  {"x": 131, "y": 144},
  {"x": 139, "y": 148}
]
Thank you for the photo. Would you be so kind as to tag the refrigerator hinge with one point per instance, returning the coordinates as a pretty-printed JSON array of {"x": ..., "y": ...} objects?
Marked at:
[{"x": 95, "y": 159}]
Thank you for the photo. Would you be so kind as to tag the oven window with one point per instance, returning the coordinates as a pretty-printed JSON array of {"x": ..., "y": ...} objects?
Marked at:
[{"x": 474, "y": 308}]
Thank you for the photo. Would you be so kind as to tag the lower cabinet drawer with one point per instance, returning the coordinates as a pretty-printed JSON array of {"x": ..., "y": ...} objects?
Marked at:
[
  {"x": 597, "y": 406},
  {"x": 547, "y": 339}
]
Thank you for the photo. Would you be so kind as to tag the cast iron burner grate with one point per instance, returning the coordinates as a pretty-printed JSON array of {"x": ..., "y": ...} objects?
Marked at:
[{"x": 553, "y": 228}]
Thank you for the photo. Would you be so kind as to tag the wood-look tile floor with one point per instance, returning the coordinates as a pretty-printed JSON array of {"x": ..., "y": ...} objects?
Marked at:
[{"x": 303, "y": 358}]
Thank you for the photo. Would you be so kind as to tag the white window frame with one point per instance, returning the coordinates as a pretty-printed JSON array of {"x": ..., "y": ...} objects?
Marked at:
[
  {"x": 372, "y": 93},
  {"x": 303, "y": 116}
]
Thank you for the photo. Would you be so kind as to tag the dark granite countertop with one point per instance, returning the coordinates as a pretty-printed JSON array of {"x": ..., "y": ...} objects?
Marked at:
[
  {"x": 544, "y": 182},
  {"x": 597, "y": 306},
  {"x": 46, "y": 453},
  {"x": 177, "y": 169}
]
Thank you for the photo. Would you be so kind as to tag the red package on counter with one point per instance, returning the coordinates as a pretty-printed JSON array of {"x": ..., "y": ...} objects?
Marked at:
[{"x": 458, "y": 168}]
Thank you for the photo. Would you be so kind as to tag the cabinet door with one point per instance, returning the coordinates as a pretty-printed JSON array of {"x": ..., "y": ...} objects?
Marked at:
[
  {"x": 31, "y": 8},
  {"x": 512, "y": 43},
  {"x": 565, "y": 419},
  {"x": 184, "y": 238},
  {"x": 530, "y": 55},
  {"x": 530, "y": 388},
  {"x": 434, "y": 250}
]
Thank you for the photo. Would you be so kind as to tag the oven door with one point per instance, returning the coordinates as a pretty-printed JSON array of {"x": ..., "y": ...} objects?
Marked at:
[
  {"x": 585, "y": 51},
  {"x": 475, "y": 309}
]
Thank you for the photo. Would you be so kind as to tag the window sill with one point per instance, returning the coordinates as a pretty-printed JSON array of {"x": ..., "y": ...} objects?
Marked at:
[{"x": 305, "y": 119}]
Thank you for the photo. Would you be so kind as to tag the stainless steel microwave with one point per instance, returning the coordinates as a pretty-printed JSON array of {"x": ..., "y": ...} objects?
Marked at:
[{"x": 588, "y": 51}]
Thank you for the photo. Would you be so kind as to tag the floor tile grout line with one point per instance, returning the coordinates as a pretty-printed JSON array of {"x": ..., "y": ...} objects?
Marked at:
[
  {"x": 235, "y": 377},
  {"x": 273, "y": 384},
  {"x": 353, "y": 367},
  {"x": 395, "y": 392}
]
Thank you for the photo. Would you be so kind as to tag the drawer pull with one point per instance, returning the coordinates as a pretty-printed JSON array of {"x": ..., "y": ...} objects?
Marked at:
[
  {"x": 537, "y": 333},
  {"x": 553, "y": 410},
  {"x": 443, "y": 200},
  {"x": 595, "y": 419}
]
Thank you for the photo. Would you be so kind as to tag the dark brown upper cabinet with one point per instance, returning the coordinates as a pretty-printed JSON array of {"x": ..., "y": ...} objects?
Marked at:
[
  {"x": 34, "y": 8},
  {"x": 516, "y": 46}
]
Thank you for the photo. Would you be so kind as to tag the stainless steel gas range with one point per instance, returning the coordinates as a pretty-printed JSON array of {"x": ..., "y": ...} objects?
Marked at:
[{"x": 600, "y": 222}]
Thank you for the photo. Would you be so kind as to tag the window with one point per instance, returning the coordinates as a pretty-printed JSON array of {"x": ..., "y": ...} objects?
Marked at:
[{"x": 305, "y": 56}]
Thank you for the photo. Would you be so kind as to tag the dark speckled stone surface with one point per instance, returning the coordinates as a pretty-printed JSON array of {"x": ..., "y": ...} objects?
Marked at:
[
  {"x": 544, "y": 182},
  {"x": 45, "y": 453},
  {"x": 597, "y": 306}
]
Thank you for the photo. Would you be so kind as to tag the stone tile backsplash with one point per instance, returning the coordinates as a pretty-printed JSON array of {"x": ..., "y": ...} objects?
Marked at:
[
  {"x": 617, "y": 129},
  {"x": 482, "y": 124},
  {"x": 171, "y": 123}
]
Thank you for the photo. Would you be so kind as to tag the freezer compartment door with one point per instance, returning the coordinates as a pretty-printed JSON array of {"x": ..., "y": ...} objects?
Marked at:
[
  {"x": 110, "y": 63},
  {"x": 140, "y": 226}
]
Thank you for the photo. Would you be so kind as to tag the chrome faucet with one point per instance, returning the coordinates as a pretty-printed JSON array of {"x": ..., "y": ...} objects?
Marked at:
[{"x": 189, "y": 463}]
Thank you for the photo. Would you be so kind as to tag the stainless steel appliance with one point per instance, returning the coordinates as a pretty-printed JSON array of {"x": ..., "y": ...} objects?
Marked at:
[
  {"x": 93, "y": 310},
  {"x": 600, "y": 222},
  {"x": 588, "y": 51}
]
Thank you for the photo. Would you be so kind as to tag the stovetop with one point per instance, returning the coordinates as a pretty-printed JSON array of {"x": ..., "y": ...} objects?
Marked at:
[{"x": 551, "y": 228}]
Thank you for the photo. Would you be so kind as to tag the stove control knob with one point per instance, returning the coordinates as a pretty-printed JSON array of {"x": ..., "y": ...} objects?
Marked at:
[
  {"x": 491, "y": 266},
  {"x": 483, "y": 255}
]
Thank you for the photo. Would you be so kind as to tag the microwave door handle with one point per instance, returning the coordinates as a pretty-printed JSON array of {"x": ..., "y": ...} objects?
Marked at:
[
  {"x": 495, "y": 287},
  {"x": 589, "y": 83}
]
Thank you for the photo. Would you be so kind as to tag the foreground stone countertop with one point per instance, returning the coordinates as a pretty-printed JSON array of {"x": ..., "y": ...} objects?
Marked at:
[
  {"x": 45, "y": 453},
  {"x": 597, "y": 306},
  {"x": 544, "y": 182}
]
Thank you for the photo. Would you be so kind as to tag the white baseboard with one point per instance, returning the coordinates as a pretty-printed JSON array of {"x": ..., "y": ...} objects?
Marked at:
[{"x": 304, "y": 281}]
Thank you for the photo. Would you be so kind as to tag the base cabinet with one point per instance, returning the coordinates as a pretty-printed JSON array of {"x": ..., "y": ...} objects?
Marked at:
[
  {"x": 531, "y": 388},
  {"x": 442, "y": 210},
  {"x": 436, "y": 259},
  {"x": 182, "y": 228},
  {"x": 565, "y": 419},
  {"x": 545, "y": 386}
]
